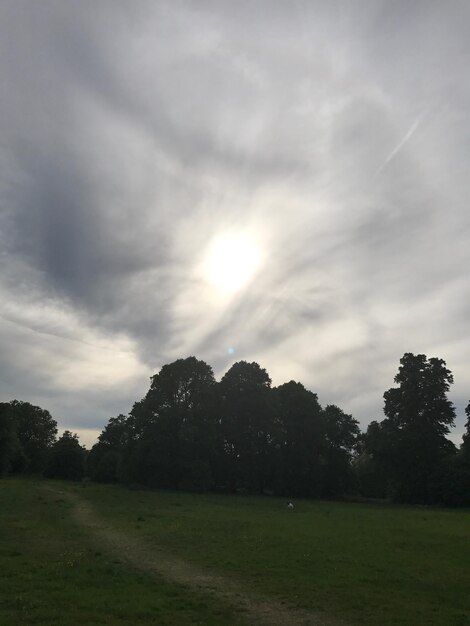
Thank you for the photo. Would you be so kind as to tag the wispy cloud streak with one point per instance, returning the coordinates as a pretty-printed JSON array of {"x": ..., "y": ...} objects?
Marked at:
[{"x": 400, "y": 145}]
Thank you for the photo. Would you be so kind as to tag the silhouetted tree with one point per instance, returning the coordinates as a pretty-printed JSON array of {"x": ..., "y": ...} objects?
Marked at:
[
  {"x": 466, "y": 436},
  {"x": 419, "y": 416},
  {"x": 341, "y": 432},
  {"x": 106, "y": 458},
  {"x": 247, "y": 426},
  {"x": 66, "y": 458},
  {"x": 375, "y": 460},
  {"x": 452, "y": 486},
  {"x": 9, "y": 445},
  {"x": 28, "y": 433},
  {"x": 174, "y": 427},
  {"x": 189, "y": 432},
  {"x": 299, "y": 439}
]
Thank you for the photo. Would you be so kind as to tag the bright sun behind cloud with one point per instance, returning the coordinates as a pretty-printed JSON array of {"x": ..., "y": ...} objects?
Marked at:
[{"x": 231, "y": 262}]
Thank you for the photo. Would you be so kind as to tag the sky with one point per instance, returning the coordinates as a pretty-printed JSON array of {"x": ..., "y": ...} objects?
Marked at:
[{"x": 285, "y": 182}]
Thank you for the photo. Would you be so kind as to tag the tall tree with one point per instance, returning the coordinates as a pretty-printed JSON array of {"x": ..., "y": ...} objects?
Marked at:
[
  {"x": 419, "y": 418},
  {"x": 174, "y": 427},
  {"x": 247, "y": 426},
  {"x": 341, "y": 431},
  {"x": 36, "y": 432},
  {"x": 300, "y": 440}
]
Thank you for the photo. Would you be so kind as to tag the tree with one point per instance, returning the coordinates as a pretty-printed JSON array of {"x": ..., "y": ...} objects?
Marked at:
[
  {"x": 452, "y": 486},
  {"x": 66, "y": 458},
  {"x": 466, "y": 436},
  {"x": 34, "y": 433},
  {"x": 106, "y": 458},
  {"x": 247, "y": 426},
  {"x": 341, "y": 431},
  {"x": 419, "y": 417},
  {"x": 299, "y": 439},
  {"x": 374, "y": 463},
  {"x": 174, "y": 427},
  {"x": 9, "y": 444}
]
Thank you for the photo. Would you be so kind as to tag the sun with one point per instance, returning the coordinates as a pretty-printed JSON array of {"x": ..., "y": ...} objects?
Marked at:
[{"x": 231, "y": 262}]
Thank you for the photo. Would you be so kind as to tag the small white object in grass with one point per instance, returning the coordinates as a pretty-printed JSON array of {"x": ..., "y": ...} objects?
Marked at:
[{"x": 290, "y": 505}]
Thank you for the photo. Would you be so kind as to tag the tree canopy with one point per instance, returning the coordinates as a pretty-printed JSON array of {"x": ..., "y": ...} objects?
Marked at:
[
  {"x": 27, "y": 433},
  {"x": 410, "y": 445},
  {"x": 66, "y": 458},
  {"x": 190, "y": 432},
  {"x": 241, "y": 434}
]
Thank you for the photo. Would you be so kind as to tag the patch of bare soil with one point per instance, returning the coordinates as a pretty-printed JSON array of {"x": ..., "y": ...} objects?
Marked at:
[{"x": 255, "y": 608}]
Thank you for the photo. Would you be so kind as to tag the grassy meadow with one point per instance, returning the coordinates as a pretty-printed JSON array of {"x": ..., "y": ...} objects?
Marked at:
[
  {"x": 52, "y": 573},
  {"x": 353, "y": 563}
]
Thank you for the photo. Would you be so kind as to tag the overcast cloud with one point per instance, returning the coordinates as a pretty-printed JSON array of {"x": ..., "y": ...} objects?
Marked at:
[{"x": 333, "y": 135}]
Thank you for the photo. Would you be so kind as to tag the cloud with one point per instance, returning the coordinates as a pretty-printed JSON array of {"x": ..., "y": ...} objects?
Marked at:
[{"x": 133, "y": 134}]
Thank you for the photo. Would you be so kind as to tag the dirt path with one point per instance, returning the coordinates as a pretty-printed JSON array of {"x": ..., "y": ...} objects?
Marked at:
[{"x": 256, "y": 609}]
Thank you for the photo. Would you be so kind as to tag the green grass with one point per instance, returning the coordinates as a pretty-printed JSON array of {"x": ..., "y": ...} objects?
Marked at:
[
  {"x": 51, "y": 573},
  {"x": 363, "y": 563}
]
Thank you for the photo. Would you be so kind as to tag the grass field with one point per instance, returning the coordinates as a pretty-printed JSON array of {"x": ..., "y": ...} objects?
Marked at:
[
  {"x": 352, "y": 563},
  {"x": 51, "y": 573}
]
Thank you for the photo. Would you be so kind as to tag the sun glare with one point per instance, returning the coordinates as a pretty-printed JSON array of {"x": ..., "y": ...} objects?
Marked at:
[{"x": 231, "y": 262}]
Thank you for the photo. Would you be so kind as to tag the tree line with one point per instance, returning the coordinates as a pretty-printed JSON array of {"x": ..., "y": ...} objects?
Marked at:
[
  {"x": 193, "y": 433},
  {"x": 29, "y": 444}
]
